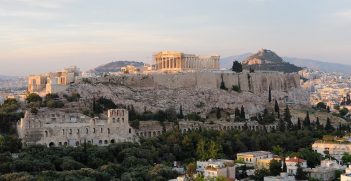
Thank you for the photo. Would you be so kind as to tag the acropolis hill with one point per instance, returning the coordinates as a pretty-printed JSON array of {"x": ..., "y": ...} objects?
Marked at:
[{"x": 196, "y": 91}]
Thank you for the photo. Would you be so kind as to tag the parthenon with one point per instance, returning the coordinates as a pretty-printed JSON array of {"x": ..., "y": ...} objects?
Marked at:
[{"x": 177, "y": 61}]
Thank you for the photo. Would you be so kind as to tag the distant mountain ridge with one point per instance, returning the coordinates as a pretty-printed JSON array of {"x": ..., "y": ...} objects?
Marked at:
[
  {"x": 116, "y": 66},
  {"x": 227, "y": 62}
]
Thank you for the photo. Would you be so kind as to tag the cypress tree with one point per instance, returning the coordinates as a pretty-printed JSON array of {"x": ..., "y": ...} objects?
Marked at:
[
  {"x": 242, "y": 112},
  {"x": 318, "y": 124},
  {"x": 181, "y": 115},
  {"x": 218, "y": 113},
  {"x": 222, "y": 86},
  {"x": 307, "y": 121},
  {"x": 285, "y": 168},
  {"x": 237, "y": 113},
  {"x": 287, "y": 118},
  {"x": 298, "y": 123},
  {"x": 328, "y": 126}
]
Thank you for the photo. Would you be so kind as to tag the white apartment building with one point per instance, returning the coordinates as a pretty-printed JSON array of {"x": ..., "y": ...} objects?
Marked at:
[
  {"x": 252, "y": 157},
  {"x": 282, "y": 177},
  {"x": 216, "y": 168},
  {"x": 292, "y": 164},
  {"x": 347, "y": 175}
]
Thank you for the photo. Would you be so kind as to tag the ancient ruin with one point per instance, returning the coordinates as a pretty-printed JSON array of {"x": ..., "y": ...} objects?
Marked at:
[{"x": 56, "y": 128}]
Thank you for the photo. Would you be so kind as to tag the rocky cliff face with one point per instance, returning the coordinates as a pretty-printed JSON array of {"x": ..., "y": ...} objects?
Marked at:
[{"x": 197, "y": 92}]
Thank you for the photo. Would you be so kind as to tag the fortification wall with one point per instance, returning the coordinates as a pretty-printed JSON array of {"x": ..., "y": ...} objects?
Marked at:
[{"x": 257, "y": 82}]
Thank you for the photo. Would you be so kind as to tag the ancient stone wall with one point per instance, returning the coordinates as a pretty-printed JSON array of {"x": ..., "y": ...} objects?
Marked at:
[{"x": 257, "y": 82}]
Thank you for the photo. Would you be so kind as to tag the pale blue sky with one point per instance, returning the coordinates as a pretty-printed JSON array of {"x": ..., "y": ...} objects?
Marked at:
[{"x": 45, "y": 35}]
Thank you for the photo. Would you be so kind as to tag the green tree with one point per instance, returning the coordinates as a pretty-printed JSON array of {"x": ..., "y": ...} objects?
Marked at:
[
  {"x": 321, "y": 105},
  {"x": 300, "y": 174},
  {"x": 213, "y": 150},
  {"x": 275, "y": 167},
  {"x": 201, "y": 150},
  {"x": 218, "y": 113},
  {"x": 191, "y": 169},
  {"x": 33, "y": 97},
  {"x": 237, "y": 67},
  {"x": 343, "y": 112},
  {"x": 277, "y": 150},
  {"x": 222, "y": 86},
  {"x": 287, "y": 118},
  {"x": 307, "y": 121},
  {"x": 346, "y": 158},
  {"x": 260, "y": 174},
  {"x": 242, "y": 112},
  {"x": 181, "y": 115},
  {"x": 281, "y": 125},
  {"x": 328, "y": 126},
  {"x": 298, "y": 124},
  {"x": 285, "y": 168}
]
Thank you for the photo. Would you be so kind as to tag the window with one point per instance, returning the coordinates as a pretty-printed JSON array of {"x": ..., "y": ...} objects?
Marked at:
[
  {"x": 63, "y": 132},
  {"x": 86, "y": 130},
  {"x": 130, "y": 130},
  {"x": 101, "y": 130},
  {"x": 100, "y": 142},
  {"x": 70, "y": 131},
  {"x": 108, "y": 130},
  {"x": 94, "y": 130}
]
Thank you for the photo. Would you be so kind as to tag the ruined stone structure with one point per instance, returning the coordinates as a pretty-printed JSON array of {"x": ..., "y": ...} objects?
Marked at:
[
  {"x": 178, "y": 61},
  {"x": 55, "y": 128},
  {"x": 148, "y": 129},
  {"x": 187, "y": 126},
  {"x": 52, "y": 82}
]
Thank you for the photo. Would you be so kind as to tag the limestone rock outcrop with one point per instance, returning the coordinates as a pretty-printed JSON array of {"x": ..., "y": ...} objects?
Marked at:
[{"x": 197, "y": 92}]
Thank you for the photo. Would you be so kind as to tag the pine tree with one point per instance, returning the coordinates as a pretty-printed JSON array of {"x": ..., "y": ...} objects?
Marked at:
[
  {"x": 270, "y": 94},
  {"x": 242, "y": 112},
  {"x": 276, "y": 108},
  {"x": 237, "y": 67}
]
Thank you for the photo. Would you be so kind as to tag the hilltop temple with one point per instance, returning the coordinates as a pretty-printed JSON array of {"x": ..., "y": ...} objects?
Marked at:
[{"x": 178, "y": 61}]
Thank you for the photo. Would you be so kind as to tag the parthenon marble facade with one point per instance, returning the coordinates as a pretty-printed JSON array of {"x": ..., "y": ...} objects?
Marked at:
[{"x": 176, "y": 61}]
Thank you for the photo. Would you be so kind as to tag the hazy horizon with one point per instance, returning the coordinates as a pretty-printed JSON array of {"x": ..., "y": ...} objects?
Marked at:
[{"x": 39, "y": 35}]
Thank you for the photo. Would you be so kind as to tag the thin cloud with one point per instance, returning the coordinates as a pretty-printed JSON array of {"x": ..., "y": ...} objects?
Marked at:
[
  {"x": 344, "y": 14},
  {"x": 28, "y": 14},
  {"x": 48, "y": 4}
]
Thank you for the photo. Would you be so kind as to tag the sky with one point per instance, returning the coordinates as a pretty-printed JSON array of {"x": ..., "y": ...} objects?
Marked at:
[{"x": 38, "y": 36}]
